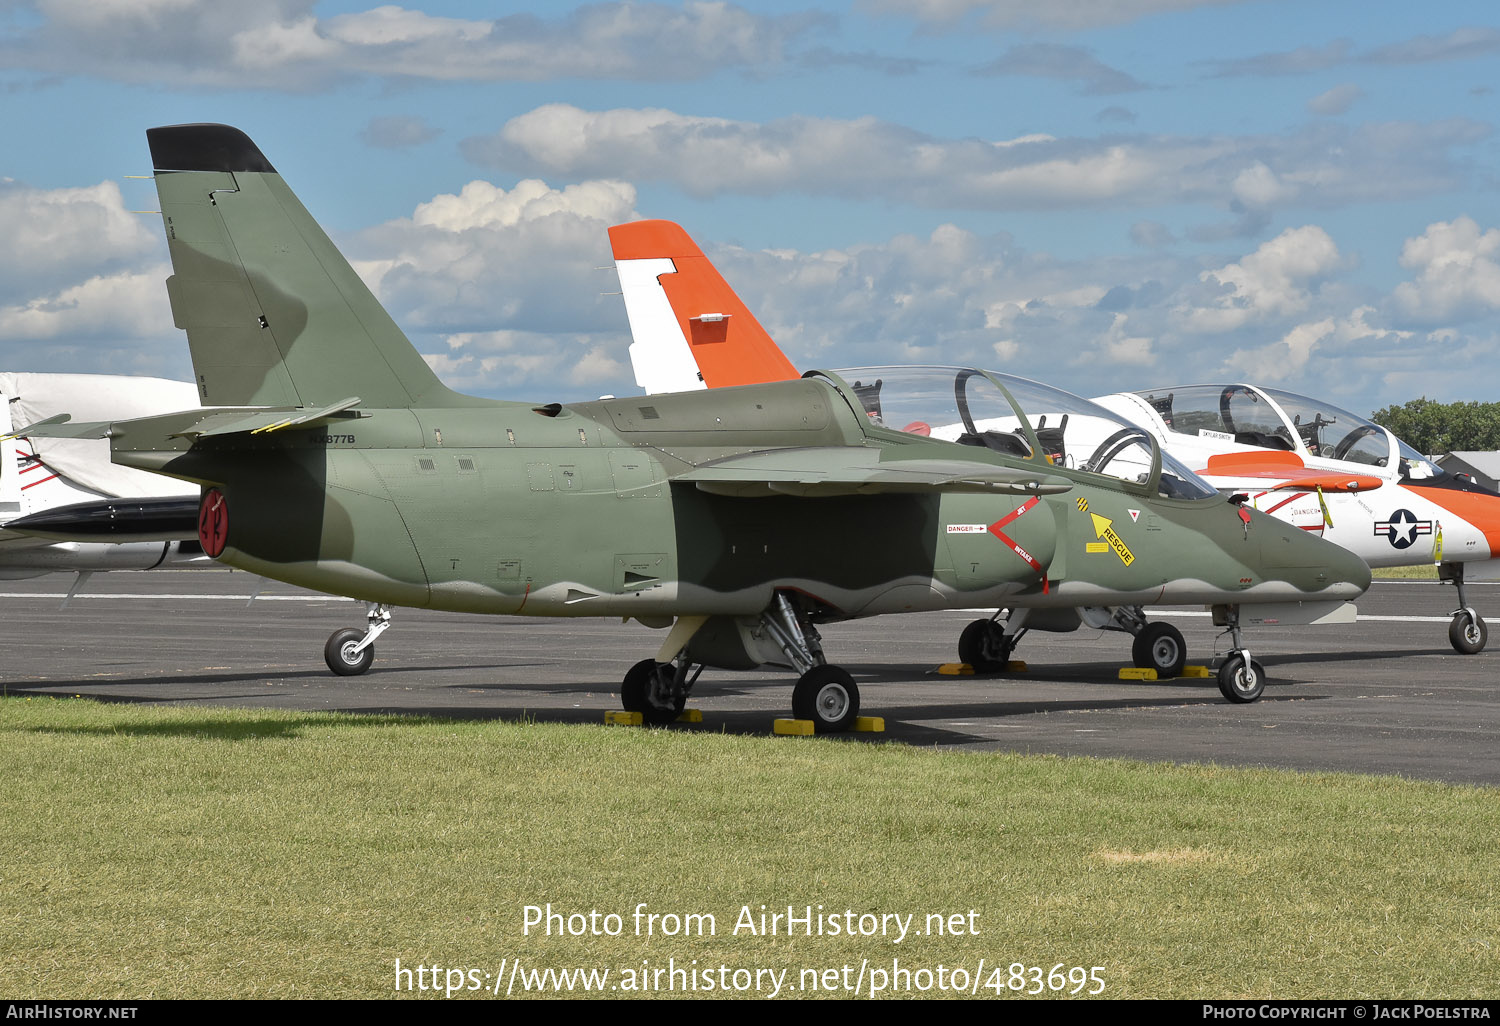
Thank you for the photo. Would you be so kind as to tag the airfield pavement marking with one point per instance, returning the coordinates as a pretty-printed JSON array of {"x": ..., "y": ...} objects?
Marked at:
[
  {"x": 196, "y": 597},
  {"x": 1362, "y": 617}
]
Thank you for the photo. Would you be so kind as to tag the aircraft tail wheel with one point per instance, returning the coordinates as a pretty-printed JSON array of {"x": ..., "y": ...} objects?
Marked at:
[
  {"x": 1241, "y": 682},
  {"x": 1467, "y": 634},
  {"x": 340, "y": 656},
  {"x": 648, "y": 690},
  {"x": 828, "y": 696},
  {"x": 983, "y": 645},
  {"x": 1160, "y": 647}
]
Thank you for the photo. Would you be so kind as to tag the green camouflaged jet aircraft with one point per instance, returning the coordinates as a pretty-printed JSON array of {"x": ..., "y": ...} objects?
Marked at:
[{"x": 741, "y": 517}]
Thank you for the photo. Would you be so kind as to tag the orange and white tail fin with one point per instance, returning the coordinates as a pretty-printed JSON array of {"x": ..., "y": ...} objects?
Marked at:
[{"x": 689, "y": 328}]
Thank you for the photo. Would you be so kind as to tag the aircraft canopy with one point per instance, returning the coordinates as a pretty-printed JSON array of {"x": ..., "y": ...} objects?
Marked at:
[
  {"x": 1272, "y": 418},
  {"x": 1021, "y": 418}
]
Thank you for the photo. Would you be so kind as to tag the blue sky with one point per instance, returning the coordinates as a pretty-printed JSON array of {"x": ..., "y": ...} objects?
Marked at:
[{"x": 1097, "y": 193}]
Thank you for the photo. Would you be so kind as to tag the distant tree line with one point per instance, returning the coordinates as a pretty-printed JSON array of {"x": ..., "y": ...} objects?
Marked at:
[{"x": 1435, "y": 428}]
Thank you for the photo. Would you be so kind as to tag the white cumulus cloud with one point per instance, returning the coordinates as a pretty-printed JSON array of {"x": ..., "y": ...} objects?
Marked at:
[
  {"x": 866, "y": 158},
  {"x": 1458, "y": 272},
  {"x": 1028, "y": 14},
  {"x": 1276, "y": 279},
  {"x": 285, "y": 44},
  {"x": 57, "y": 236},
  {"x": 502, "y": 287},
  {"x": 115, "y": 306}
]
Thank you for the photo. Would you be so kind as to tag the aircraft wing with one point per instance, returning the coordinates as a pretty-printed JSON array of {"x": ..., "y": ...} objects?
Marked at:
[
  {"x": 835, "y": 470},
  {"x": 1287, "y": 472}
]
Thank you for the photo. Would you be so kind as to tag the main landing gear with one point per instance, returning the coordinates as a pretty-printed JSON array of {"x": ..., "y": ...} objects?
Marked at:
[
  {"x": 1160, "y": 647},
  {"x": 823, "y": 693},
  {"x": 1157, "y": 646},
  {"x": 349, "y": 652},
  {"x": 658, "y": 691},
  {"x": 1467, "y": 632},
  {"x": 826, "y": 694},
  {"x": 987, "y": 645}
]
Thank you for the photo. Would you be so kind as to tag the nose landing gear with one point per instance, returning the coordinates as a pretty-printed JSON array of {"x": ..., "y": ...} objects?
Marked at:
[
  {"x": 1467, "y": 632},
  {"x": 1241, "y": 679}
]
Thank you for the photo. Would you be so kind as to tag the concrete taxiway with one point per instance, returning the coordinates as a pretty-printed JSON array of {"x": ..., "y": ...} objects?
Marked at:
[{"x": 1386, "y": 695}]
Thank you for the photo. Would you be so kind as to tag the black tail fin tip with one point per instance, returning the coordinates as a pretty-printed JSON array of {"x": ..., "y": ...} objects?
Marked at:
[{"x": 205, "y": 148}]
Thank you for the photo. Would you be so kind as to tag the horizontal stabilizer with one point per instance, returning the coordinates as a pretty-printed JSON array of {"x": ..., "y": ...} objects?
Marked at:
[
  {"x": 828, "y": 471},
  {"x": 114, "y": 520},
  {"x": 62, "y": 426},
  {"x": 257, "y": 422}
]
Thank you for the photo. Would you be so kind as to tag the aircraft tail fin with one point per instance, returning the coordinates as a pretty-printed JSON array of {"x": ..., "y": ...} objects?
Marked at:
[
  {"x": 690, "y": 329},
  {"x": 275, "y": 315}
]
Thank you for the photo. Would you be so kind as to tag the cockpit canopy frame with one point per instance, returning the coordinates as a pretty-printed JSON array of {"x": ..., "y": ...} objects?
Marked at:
[{"x": 1019, "y": 418}]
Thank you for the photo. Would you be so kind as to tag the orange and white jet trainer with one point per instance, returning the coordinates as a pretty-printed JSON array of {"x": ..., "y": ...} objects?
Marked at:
[
  {"x": 690, "y": 331},
  {"x": 1281, "y": 449}
]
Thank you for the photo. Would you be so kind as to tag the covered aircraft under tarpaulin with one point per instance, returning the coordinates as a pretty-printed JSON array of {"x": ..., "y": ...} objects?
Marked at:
[
  {"x": 33, "y": 397},
  {"x": 116, "y": 517}
]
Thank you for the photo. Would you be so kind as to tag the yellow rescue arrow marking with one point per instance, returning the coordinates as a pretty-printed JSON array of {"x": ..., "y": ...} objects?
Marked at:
[{"x": 1103, "y": 530}]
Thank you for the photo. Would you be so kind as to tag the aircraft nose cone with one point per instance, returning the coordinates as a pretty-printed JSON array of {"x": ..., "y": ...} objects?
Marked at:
[
  {"x": 1311, "y": 564},
  {"x": 1348, "y": 575}
]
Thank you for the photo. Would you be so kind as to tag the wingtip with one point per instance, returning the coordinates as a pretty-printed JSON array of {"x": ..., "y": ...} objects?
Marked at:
[{"x": 205, "y": 147}]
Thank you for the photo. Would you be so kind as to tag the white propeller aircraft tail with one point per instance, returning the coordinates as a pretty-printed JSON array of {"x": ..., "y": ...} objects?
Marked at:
[
  {"x": 138, "y": 517},
  {"x": 690, "y": 329}
]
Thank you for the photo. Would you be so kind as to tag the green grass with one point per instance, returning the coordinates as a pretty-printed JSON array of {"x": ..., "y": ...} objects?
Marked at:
[
  {"x": 191, "y": 852},
  {"x": 1423, "y": 572}
]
